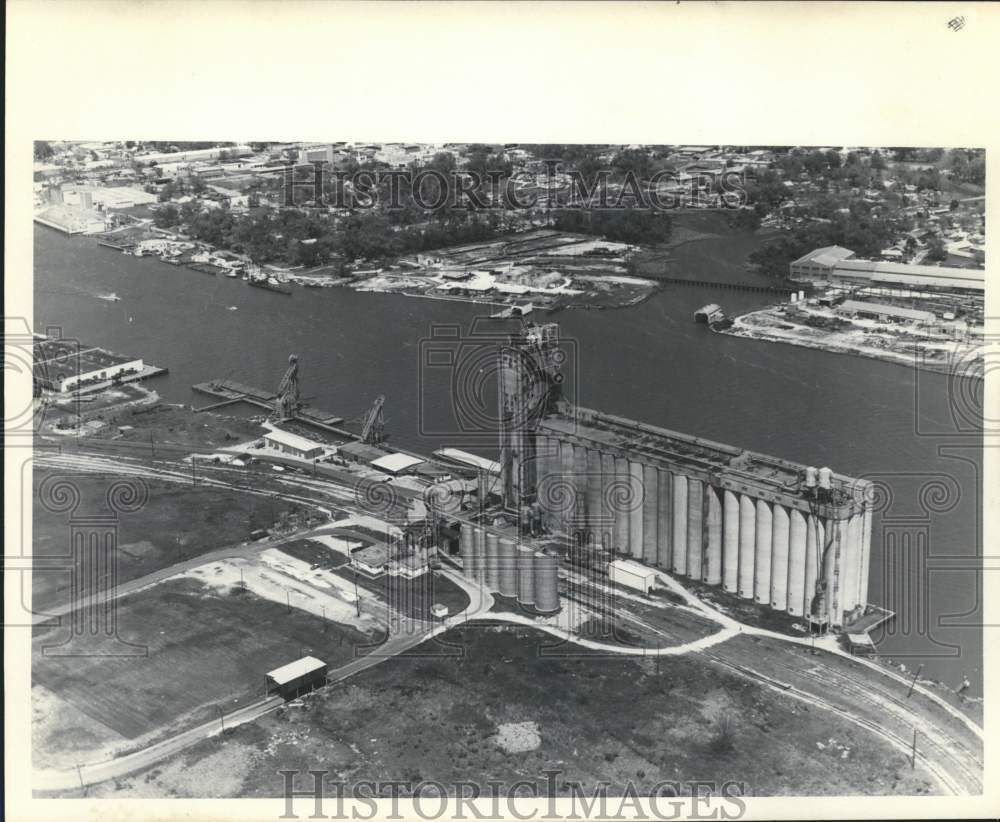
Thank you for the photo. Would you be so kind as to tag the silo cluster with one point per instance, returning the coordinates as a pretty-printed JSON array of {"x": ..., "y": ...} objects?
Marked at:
[
  {"x": 759, "y": 539},
  {"x": 499, "y": 563}
]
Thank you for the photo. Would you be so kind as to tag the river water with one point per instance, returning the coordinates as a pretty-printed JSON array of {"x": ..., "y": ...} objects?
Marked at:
[{"x": 650, "y": 362}]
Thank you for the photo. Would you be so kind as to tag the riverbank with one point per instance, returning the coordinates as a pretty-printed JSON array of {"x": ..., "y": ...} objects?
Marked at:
[{"x": 926, "y": 350}]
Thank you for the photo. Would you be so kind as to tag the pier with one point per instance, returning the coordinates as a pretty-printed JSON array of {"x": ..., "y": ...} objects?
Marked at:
[
  {"x": 229, "y": 392},
  {"x": 765, "y": 289}
]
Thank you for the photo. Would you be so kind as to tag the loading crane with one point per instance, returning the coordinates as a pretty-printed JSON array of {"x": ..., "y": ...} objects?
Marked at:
[
  {"x": 288, "y": 400},
  {"x": 373, "y": 429}
]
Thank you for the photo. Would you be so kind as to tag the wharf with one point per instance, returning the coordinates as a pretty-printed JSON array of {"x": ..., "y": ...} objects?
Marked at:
[
  {"x": 765, "y": 289},
  {"x": 229, "y": 392}
]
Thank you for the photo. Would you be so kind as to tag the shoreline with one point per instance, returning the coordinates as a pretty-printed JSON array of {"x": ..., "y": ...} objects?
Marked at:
[{"x": 740, "y": 328}]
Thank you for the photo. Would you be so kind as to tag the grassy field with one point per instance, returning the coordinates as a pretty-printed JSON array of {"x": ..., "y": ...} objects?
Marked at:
[
  {"x": 414, "y": 597},
  {"x": 177, "y": 522},
  {"x": 204, "y": 650},
  {"x": 619, "y": 719}
]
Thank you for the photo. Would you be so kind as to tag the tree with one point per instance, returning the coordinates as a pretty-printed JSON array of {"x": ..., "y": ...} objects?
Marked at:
[
  {"x": 936, "y": 252},
  {"x": 166, "y": 216},
  {"x": 43, "y": 151}
]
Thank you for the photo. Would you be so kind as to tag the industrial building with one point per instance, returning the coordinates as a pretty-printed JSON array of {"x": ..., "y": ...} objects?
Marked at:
[
  {"x": 835, "y": 265},
  {"x": 64, "y": 365},
  {"x": 292, "y": 445},
  {"x": 788, "y": 536},
  {"x": 885, "y": 313}
]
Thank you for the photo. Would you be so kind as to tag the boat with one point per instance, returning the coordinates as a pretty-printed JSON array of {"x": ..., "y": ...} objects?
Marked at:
[
  {"x": 111, "y": 298},
  {"x": 269, "y": 284},
  {"x": 232, "y": 273}
]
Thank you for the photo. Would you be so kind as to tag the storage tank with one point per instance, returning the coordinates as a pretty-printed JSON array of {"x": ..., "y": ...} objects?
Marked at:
[
  {"x": 730, "y": 541},
  {"x": 620, "y": 493},
  {"x": 492, "y": 561},
  {"x": 762, "y": 553},
  {"x": 480, "y": 546},
  {"x": 594, "y": 492},
  {"x": 850, "y": 536},
  {"x": 546, "y": 582},
  {"x": 811, "y": 478},
  {"x": 814, "y": 545},
  {"x": 508, "y": 568},
  {"x": 636, "y": 504},
  {"x": 607, "y": 508},
  {"x": 525, "y": 575},
  {"x": 467, "y": 546},
  {"x": 680, "y": 509},
  {"x": 650, "y": 500},
  {"x": 748, "y": 529},
  {"x": 825, "y": 478},
  {"x": 712, "y": 561},
  {"x": 779, "y": 558},
  {"x": 797, "y": 537},
  {"x": 664, "y": 525},
  {"x": 696, "y": 504}
]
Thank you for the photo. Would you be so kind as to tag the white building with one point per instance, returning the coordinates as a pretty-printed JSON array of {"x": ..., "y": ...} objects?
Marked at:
[
  {"x": 284, "y": 442},
  {"x": 632, "y": 575}
]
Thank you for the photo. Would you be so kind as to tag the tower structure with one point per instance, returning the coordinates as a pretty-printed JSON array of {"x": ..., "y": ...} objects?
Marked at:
[{"x": 530, "y": 379}]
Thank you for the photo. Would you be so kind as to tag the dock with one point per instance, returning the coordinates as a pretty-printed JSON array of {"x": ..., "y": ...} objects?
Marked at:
[
  {"x": 765, "y": 289},
  {"x": 230, "y": 392}
]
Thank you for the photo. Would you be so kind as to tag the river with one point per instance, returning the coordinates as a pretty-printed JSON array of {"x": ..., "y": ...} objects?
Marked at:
[{"x": 650, "y": 362}]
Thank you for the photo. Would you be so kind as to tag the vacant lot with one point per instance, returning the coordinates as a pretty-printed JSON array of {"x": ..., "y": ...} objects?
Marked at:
[
  {"x": 451, "y": 717},
  {"x": 177, "y": 522},
  {"x": 204, "y": 650}
]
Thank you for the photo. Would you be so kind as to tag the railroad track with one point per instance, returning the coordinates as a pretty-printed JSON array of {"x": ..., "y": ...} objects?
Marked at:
[{"x": 971, "y": 778}]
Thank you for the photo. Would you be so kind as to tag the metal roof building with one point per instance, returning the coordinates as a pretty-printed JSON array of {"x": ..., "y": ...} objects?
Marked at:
[
  {"x": 302, "y": 674},
  {"x": 288, "y": 443},
  {"x": 880, "y": 310}
]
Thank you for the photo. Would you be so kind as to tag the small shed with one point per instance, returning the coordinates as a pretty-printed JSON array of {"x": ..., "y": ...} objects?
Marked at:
[
  {"x": 296, "y": 677},
  {"x": 860, "y": 643},
  {"x": 632, "y": 575}
]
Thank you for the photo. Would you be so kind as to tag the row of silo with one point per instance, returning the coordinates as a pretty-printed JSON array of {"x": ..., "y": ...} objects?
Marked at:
[
  {"x": 754, "y": 548},
  {"x": 500, "y": 564}
]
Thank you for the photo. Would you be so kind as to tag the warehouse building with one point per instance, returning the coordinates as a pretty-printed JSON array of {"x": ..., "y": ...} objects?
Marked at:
[
  {"x": 296, "y": 678},
  {"x": 835, "y": 265},
  {"x": 292, "y": 445},
  {"x": 885, "y": 313},
  {"x": 63, "y": 365}
]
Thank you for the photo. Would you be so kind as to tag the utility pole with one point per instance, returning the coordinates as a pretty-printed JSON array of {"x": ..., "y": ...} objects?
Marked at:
[
  {"x": 323, "y": 607},
  {"x": 288, "y": 601},
  {"x": 79, "y": 772},
  {"x": 913, "y": 755},
  {"x": 243, "y": 585},
  {"x": 357, "y": 597},
  {"x": 914, "y": 682}
]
